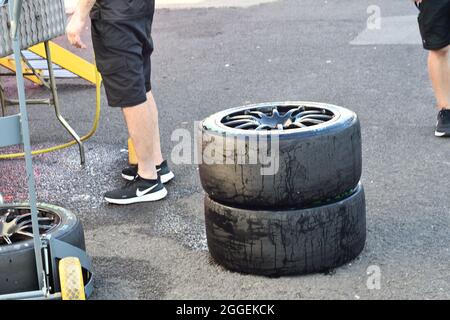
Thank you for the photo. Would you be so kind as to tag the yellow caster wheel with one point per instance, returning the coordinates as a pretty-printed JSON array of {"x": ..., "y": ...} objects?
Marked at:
[
  {"x": 132, "y": 158},
  {"x": 71, "y": 279}
]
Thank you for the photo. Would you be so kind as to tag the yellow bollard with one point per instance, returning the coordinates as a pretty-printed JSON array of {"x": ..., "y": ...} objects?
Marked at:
[{"x": 132, "y": 158}]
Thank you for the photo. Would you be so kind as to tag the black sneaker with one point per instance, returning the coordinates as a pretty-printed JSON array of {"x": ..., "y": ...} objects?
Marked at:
[
  {"x": 129, "y": 173},
  {"x": 443, "y": 124},
  {"x": 137, "y": 190}
]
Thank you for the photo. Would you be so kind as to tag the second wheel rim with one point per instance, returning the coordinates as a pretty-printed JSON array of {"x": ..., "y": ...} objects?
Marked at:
[{"x": 15, "y": 224}]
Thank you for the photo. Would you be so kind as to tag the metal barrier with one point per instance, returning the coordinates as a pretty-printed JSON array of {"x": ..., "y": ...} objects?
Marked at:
[
  {"x": 14, "y": 130},
  {"x": 40, "y": 21}
]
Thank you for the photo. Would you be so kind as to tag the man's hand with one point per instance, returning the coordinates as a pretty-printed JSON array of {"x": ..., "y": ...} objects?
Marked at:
[
  {"x": 74, "y": 29},
  {"x": 78, "y": 21}
]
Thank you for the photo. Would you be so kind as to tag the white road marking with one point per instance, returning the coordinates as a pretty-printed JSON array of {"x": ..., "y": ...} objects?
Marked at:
[
  {"x": 179, "y": 4},
  {"x": 184, "y": 4},
  {"x": 394, "y": 30}
]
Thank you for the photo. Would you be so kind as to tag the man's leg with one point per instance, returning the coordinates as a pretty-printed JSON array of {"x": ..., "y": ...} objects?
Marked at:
[
  {"x": 156, "y": 140},
  {"x": 163, "y": 170},
  {"x": 434, "y": 25},
  {"x": 142, "y": 123},
  {"x": 439, "y": 70}
]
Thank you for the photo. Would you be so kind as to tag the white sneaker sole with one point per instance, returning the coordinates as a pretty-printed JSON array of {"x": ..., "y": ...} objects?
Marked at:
[
  {"x": 167, "y": 177},
  {"x": 155, "y": 196},
  {"x": 164, "y": 178},
  {"x": 129, "y": 178},
  {"x": 441, "y": 134}
]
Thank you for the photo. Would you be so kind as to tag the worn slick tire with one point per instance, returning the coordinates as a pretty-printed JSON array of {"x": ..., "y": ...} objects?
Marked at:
[
  {"x": 17, "y": 261},
  {"x": 290, "y": 242},
  {"x": 315, "y": 163}
]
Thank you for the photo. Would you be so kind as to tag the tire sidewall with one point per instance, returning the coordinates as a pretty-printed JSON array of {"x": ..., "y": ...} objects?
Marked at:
[{"x": 287, "y": 242}]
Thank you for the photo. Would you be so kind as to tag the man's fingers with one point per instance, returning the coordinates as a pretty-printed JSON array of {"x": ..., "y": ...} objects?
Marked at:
[
  {"x": 75, "y": 41},
  {"x": 80, "y": 44},
  {"x": 72, "y": 40}
]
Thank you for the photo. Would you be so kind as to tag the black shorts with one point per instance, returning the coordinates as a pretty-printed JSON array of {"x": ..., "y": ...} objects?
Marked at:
[
  {"x": 122, "y": 53},
  {"x": 434, "y": 23}
]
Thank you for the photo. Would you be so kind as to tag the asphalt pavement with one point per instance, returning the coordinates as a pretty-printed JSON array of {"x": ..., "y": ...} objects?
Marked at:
[{"x": 209, "y": 59}]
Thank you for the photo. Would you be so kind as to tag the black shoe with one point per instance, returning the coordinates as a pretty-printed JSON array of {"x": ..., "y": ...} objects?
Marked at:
[
  {"x": 137, "y": 190},
  {"x": 129, "y": 173},
  {"x": 443, "y": 124}
]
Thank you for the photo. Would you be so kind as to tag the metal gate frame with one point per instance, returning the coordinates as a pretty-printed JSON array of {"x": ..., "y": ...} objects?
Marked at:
[
  {"x": 53, "y": 101},
  {"x": 15, "y": 130}
]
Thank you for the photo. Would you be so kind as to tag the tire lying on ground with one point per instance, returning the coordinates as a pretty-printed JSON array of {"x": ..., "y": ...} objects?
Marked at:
[
  {"x": 319, "y": 154},
  {"x": 17, "y": 260},
  {"x": 286, "y": 242}
]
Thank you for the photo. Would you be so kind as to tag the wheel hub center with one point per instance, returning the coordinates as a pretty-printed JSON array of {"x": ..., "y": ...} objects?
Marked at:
[{"x": 276, "y": 120}]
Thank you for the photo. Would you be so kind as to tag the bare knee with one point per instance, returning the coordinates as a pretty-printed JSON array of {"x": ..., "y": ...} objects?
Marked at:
[{"x": 441, "y": 53}]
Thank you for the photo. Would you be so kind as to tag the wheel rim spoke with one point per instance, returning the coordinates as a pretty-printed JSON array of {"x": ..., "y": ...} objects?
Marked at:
[
  {"x": 236, "y": 122},
  {"x": 7, "y": 240},
  {"x": 257, "y": 113},
  {"x": 318, "y": 117},
  {"x": 26, "y": 234},
  {"x": 262, "y": 127},
  {"x": 242, "y": 117},
  {"x": 310, "y": 120},
  {"x": 299, "y": 125},
  {"x": 247, "y": 125}
]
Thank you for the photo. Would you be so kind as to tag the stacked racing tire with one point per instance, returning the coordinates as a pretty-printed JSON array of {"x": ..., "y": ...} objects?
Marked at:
[{"x": 283, "y": 191}]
